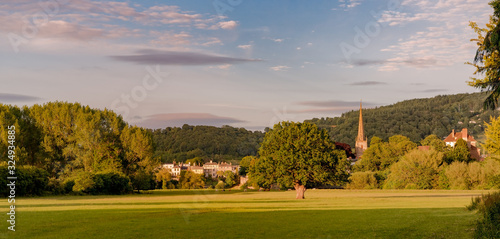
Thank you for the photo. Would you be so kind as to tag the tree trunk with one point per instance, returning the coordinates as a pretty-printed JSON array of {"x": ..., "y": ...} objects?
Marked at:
[{"x": 300, "y": 189}]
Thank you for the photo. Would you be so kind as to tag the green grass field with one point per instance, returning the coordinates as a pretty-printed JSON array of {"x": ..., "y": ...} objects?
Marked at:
[{"x": 238, "y": 214}]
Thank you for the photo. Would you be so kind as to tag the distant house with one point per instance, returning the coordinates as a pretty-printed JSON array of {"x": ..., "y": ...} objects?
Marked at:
[
  {"x": 197, "y": 169},
  {"x": 168, "y": 165},
  {"x": 452, "y": 138},
  {"x": 210, "y": 169},
  {"x": 176, "y": 171},
  {"x": 228, "y": 167}
]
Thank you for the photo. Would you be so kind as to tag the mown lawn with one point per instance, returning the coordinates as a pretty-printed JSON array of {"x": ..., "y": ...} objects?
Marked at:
[{"x": 238, "y": 214}]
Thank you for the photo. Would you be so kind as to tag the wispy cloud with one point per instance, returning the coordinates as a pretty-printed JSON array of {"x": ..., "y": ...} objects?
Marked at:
[
  {"x": 245, "y": 47},
  {"x": 332, "y": 106},
  {"x": 445, "y": 39},
  {"x": 229, "y": 25},
  {"x": 348, "y": 4},
  {"x": 153, "y": 57},
  {"x": 279, "y": 68},
  {"x": 88, "y": 20},
  {"x": 334, "y": 103},
  {"x": 396, "y": 62},
  {"x": 434, "y": 90},
  {"x": 12, "y": 98},
  {"x": 365, "y": 83},
  {"x": 179, "y": 119}
]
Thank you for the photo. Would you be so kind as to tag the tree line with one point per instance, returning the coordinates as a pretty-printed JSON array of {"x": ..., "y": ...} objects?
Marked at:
[
  {"x": 69, "y": 147},
  {"x": 398, "y": 164},
  {"x": 415, "y": 119}
]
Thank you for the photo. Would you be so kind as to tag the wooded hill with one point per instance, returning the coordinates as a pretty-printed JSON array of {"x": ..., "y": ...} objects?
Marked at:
[
  {"x": 207, "y": 142},
  {"x": 415, "y": 119}
]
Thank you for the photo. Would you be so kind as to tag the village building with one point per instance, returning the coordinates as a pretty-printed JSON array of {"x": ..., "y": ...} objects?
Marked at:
[
  {"x": 197, "y": 169},
  {"x": 452, "y": 138},
  {"x": 361, "y": 140},
  {"x": 168, "y": 165},
  {"x": 176, "y": 171},
  {"x": 210, "y": 169},
  {"x": 228, "y": 167}
]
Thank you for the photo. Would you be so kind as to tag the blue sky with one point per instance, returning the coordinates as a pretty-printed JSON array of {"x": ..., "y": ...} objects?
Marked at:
[{"x": 234, "y": 62}]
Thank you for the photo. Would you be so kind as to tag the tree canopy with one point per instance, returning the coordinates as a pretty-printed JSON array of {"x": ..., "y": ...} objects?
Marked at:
[
  {"x": 219, "y": 144},
  {"x": 381, "y": 155},
  {"x": 487, "y": 58},
  {"x": 78, "y": 143},
  {"x": 299, "y": 155},
  {"x": 492, "y": 132}
]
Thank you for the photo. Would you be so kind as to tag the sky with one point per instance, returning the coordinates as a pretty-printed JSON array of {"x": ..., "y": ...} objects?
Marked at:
[{"x": 244, "y": 63}]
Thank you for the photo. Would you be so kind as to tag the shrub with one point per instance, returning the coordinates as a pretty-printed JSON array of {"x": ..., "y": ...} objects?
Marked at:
[
  {"x": 84, "y": 181},
  {"x": 458, "y": 175},
  {"x": 191, "y": 180},
  {"x": 363, "y": 180},
  {"x": 220, "y": 185},
  {"x": 489, "y": 206},
  {"x": 110, "y": 183},
  {"x": 416, "y": 170},
  {"x": 142, "y": 180},
  {"x": 31, "y": 181}
]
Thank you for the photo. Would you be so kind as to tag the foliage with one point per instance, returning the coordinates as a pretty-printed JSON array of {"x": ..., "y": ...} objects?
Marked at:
[
  {"x": 460, "y": 153},
  {"x": 363, "y": 180},
  {"x": 163, "y": 176},
  {"x": 487, "y": 59},
  {"x": 111, "y": 183},
  {"x": 195, "y": 161},
  {"x": 230, "y": 179},
  {"x": 475, "y": 175},
  {"x": 142, "y": 180},
  {"x": 458, "y": 175},
  {"x": 84, "y": 181},
  {"x": 219, "y": 144},
  {"x": 300, "y": 155},
  {"x": 220, "y": 185},
  {"x": 492, "y": 133},
  {"x": 381, "y": 155},
  {"x": 260, "y": 175},
  {"x": 416, "y": 170},
  {"x": 488, "y": 205},
  {"x": 245, "y": 165},
  {"x": 434, "y": 142},
  {"x": 191, "y": 180},
  {"x": 74, "y": 143},
  {"x": 415, "y": 119},
  {"x": 31, "y": 181}
]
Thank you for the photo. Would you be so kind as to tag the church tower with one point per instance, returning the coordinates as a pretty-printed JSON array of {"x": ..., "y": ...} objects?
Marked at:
[{"x": 361, "y": 142}]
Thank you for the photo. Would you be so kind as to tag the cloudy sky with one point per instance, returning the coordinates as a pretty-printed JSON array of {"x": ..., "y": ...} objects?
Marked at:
[{"x": 244, "y": 63}]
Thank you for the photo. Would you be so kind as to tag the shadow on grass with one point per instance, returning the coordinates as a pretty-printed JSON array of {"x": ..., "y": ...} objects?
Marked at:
[{"x": 157, "y": 193}]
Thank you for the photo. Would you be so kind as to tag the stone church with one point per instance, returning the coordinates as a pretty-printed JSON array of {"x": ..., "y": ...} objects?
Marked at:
[{"x": 361, "y": 140}]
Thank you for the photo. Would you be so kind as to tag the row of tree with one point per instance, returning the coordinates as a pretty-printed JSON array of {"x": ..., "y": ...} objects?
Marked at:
[
  {"x": 398, "y": 164},
  {"x": 76, "y": 144}
]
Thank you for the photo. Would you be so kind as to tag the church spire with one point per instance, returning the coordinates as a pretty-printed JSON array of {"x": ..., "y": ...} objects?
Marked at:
[
  {"x": 361, "y": 142},
  {"x": 361, "y": 131}
]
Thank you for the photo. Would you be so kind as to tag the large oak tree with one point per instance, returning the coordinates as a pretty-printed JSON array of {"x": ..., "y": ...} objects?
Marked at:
[{"x": 299, "y": 155}]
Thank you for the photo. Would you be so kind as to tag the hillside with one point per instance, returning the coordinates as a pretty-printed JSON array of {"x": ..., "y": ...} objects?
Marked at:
[
  {"x": 416, "y": 118},
  {"x": 208, "y": 142}
]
